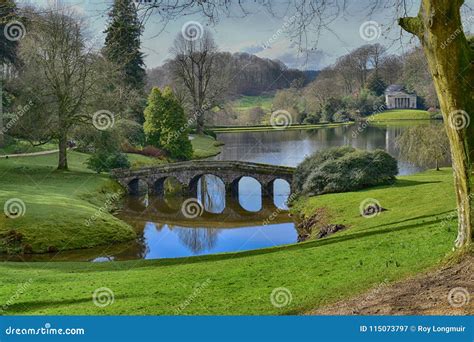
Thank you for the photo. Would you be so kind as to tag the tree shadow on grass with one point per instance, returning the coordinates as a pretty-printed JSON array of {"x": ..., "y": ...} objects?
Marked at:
[
  {"x": 40, "y": 304},
  {"x": 400, "y": 183},
  {"x": 410, "y": 219}
]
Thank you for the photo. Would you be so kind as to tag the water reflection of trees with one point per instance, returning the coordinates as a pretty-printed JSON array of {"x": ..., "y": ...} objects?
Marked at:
[
  {"x": 211, "y": 193},
  {"x": 197, "y": 239}
]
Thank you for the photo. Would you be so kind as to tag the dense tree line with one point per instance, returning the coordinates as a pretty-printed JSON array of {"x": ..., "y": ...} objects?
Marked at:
[{"x": 250, "y": 74}]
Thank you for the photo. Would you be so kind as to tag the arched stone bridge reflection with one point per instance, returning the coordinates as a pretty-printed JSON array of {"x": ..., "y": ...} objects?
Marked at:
[
  {"x": 189, "y": 173},
  {"x": 170, "y": 211}
]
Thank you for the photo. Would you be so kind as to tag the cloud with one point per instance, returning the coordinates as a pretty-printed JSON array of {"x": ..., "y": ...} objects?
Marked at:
[
  {"x": 253, "y": 49},
  {"x": 311, "y": 60}
]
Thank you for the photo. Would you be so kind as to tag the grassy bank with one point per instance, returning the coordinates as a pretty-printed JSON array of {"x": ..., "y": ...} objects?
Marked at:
[
  {"x": 409, "y": 237},
  {"x": 264, "y": 128},
  {"x": 401, "y": 114},
  {"x": 205, "y": 146},
  {"x": 57, "y": 205}
]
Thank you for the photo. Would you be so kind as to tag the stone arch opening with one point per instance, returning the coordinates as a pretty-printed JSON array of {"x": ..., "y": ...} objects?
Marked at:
[
  {"x": 168, "y": 185},
  {"x": 210, "y": 190},
  {"x": 137, "y": 187},
  {"x": 249, "y": 192},
  {"x": 281, "y": 192}
]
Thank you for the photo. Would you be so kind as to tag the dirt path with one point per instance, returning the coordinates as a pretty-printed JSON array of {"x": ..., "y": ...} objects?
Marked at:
[{"x": 448, "y": 291}]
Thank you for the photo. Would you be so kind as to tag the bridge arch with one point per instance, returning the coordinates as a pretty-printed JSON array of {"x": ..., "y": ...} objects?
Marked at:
[
  {"x": 210, "y": 189},
  {"x": 281, "y": 190},
  {"x": 158, "y": 185},
  {"x": 252, "y": 189},
  {"x": 137, "y": 186}
]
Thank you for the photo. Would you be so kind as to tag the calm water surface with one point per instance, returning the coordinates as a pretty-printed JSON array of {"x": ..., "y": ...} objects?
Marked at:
[{"x": 227, "y": 224}]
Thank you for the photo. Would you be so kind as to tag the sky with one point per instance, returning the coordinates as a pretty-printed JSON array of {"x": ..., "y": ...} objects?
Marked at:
[{"x": 263, "y": 34}]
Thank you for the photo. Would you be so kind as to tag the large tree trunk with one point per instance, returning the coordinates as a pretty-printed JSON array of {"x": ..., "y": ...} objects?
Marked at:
[
  {"x": 450, "y": 59},
  {"x": 62, "y": 163},
  {"x": 2, "y": 134}
]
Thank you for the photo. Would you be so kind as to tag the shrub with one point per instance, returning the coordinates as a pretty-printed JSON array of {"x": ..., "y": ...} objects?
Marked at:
[
  {"x": 105, "y": 161},
  {"x": 344, "y": 169},
  {"x": 148, "y": 151}
]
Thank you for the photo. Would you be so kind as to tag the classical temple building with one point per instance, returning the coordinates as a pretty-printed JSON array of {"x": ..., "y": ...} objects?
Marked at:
[{"x": 396, "y": 97}]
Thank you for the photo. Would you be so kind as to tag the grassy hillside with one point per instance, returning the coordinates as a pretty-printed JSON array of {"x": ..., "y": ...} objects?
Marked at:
[
  {"x": 411, "y": 236},
  {"x": 57, "y": 205}
]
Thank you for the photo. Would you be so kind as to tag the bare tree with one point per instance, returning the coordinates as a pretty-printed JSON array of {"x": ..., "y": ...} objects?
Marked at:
[
  {"x": 195, "y": 66},
  {"x": 58, "y": 72}
]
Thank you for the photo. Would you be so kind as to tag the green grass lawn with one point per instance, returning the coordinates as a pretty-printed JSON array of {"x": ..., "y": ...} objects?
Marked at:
[
  {"x": 408, "y": 238},
  {"x": 205, "y": 146},
  {"x": 58, "y": 204},
  {"x": 402, "y": 114},
  {"x": 244, "y": 103}
]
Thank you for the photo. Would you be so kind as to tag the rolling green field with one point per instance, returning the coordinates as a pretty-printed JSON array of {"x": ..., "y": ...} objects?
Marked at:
[
  {"x": 247, "y": 102},
  {"x": 402, "y": 114},
  {"x": 411, "y": 236}
]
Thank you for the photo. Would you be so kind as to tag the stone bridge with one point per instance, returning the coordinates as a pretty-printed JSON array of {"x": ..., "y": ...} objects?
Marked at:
[{"x": 189, "y": 173}]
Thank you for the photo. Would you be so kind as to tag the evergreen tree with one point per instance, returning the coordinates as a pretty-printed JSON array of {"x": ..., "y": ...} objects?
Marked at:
[
  {"x": 153, "y": 117},
  {"x": 174, "y": 134},
  {"x": 122, "y": 43},
  {"x": 8, "y": 46},
  {"x": 376, "y": 85},
  {"x": 165, "y": 124}
]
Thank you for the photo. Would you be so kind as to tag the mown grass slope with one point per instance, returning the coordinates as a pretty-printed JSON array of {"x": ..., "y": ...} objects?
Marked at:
[{"x": 401, "y": 114}]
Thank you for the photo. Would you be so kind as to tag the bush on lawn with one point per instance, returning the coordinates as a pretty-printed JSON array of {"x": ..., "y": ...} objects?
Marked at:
[{"x": 344, "y": 169}]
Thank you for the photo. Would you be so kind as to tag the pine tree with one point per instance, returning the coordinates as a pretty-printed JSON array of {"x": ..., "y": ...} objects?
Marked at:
[{"x": 122, "y": 43}]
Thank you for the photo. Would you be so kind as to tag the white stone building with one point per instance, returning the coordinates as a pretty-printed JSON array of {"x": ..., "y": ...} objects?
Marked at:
[{"x": 396, "y": 97}]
